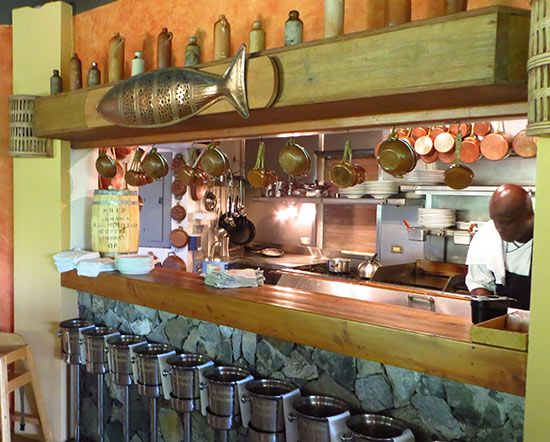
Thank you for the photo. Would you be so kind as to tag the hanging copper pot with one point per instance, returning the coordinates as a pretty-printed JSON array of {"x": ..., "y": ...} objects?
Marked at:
[
  {"x": 470, "y": 148},
  {"x": 524, "y": 145},
  {"x": 436, "y": 130},
  {"x": 405, "y": 134},
  {"x": 431, "y": 157},
  {"x": 396, "y": 156},
  {"x": 447, "y": 157},
  {"x": 419, "y": 131},
  {"x": 177, "y": 188},
  {"x": 179, "y": 238},
  {"x": 444, "y": 142},
  {"x": 424, "y": 145},
  {"x": 496, "y": 146},
  {"x": 174, "y": 262},
  {"x": 177, "y": 163},
  {"x": 214, "y": 161},
  {"x": 178, "y": 213},
  {"x": 482, "y": 128},
  {"x": 105, "y": 165},
  {"x": 465, "y": 129},
  {"x": 457, "y": 176},
  {"x": 294, "y": 159}
]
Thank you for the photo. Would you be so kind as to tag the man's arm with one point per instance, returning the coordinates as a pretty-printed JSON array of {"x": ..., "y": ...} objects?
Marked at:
[{"x": 480, "y": 280}]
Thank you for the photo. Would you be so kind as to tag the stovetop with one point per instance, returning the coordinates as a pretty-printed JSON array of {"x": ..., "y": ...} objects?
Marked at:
[{"x": 322, "y": 270}]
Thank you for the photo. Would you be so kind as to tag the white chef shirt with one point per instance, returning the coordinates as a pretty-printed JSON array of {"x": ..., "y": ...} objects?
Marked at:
[{"x": 489, "y": 257}]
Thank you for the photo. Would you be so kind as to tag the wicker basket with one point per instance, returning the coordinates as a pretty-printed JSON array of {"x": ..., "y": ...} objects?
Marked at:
[{"x": 23, "y": 143}]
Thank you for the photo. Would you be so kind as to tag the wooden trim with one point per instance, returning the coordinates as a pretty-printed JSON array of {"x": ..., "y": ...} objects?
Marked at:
[
  {"x": 418, "y": 340},
  {"x": 318, "y": 89}
]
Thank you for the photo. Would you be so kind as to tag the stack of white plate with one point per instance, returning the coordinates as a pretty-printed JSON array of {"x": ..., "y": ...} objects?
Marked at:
[
  {"x": 377, "y": 189},
  {"x": 422, "y": 176},
  {"x": 436, "y": 218},
  {"x": 134, "y": 264}
]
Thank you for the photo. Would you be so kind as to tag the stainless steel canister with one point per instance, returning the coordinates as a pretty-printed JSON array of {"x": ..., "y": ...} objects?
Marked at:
[
  {"x": 375, "y": 428},
  {"x": 71, "y": 339},
  {"x": 260, "y": 436},
  {"x": 339, "y": 265},
  {"x": 266, "y": 404},
  {"x": 97, "y": 361},
  {"x": 313, "y": 413},
  {"x": 184, "y": 380},
  {"x": 120, "y": 349},
  {"x": 148, "y": 367},
  {"x": 223, "y": 397}
]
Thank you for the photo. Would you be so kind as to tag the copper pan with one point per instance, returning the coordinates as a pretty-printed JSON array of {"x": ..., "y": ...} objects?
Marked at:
[
  {"x": 496, "y": 146},
  {"x": 431, "y": 157},
  {"x": 436, "y": 130},
  {"x": 419, "y": 131},
  {"x": 447, "y": 157},
  {"x": 424, "y": 145},
  {"x": 465, "y": 129},
  {"x": 469, "y": 149},
  {"x": 524, "y": 145},
  {"x": 406, "y": 136},
  {"x": 444, "y": 142},
  {"x": 483, "y": 128}
]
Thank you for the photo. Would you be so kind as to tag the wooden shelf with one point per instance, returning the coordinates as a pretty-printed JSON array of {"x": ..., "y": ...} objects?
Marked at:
[
  {"x": 418, "y": 340},
  {"x": 465, "y": 66}
]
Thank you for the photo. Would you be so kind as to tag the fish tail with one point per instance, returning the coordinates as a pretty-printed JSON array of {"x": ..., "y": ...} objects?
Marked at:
[{"x": 235, "y": 85}]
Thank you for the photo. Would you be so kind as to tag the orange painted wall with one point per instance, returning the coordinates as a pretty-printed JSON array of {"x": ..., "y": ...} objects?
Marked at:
[
  {"x": 6, "y": 185},
  {"x": 140, "y": 21}
]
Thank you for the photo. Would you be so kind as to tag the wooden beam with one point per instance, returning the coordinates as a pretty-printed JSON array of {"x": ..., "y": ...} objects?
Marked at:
[
  {"x": 340, "y": 82},
  {"x": 441, "y": 344}
]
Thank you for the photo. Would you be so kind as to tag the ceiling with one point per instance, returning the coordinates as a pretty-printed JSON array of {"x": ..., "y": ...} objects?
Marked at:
[{"x": 78, "y": 6}]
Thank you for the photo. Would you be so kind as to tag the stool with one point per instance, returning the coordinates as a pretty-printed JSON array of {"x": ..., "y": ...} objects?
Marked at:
[{"x": 14, "y": 348}]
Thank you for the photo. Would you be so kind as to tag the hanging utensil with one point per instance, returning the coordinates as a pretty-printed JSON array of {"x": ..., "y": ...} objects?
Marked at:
[
  {"x": 458, "y": 176},
  {"x": 155, "y": 165},
  {"x": 178, "y": 188},
  {"x": 178, "y": 238},
  {"x": 105, "y": 165},
  {"x": 259, "y": 176},
  {"x": 496, "y": 146},
  {"x": 294, "y": 159},
  {"x": 482, "y": 128},
  {"x": 424, "y": 144},
  {"x": 464, "y": 128},
  {"x": 210, "y": 201},
  {"x": 123, "y": 152},
  {"x": 214, "y": 162},
  {"x": 174, "y": 262},
  {"x": 178, "y": 213},
  {"x": 344, "y": 174},
  {"x": 396, "y": 156},
  {"x": 470, "y": 147}
]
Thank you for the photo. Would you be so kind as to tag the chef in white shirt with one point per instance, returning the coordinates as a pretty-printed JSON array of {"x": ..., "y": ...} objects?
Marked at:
[{"x": 500, "y": 254}]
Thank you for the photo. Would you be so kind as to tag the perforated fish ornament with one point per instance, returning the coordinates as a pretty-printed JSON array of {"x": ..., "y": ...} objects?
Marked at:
[{"x": 168, "y": 96}]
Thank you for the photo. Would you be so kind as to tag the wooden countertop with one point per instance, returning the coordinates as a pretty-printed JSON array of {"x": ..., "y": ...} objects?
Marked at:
[{"x": 418, "y": 340}]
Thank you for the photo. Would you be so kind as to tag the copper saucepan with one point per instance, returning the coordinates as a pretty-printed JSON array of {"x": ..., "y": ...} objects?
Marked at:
[
  {"x": 496, "y": 146},
  {"x": 465, "y": 129},
  {"x": 294, "y": 159},
  {"x": 524, "y": 145},
  {"x": 431, "y": 157},
  {"x": 469, "y": 148},
  {"x": 436, "y": 130},
  {"x": 424, "y": 144},
  {"x": 458, "y": 176},
  {"x": 444, "y": 142},
  {"x": 482, "y": 128}
]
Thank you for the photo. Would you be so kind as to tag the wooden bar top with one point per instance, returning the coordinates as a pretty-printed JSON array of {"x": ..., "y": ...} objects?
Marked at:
[{"x": 414, "y": 339}]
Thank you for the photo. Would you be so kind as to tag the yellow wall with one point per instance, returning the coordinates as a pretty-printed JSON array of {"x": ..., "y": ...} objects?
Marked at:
[
  {"x": 537, "y": 401},
  {"x": 42, "y": 37}
]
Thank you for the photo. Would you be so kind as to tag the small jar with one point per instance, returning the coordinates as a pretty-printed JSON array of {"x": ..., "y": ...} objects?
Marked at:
[
  {"x": 334, "y": 18},
  {"x": 294, "y": 29},
  {"x": 75, "y": 78},
  {"x": 256, "y": 37},
  {"x": 56, "y": 83},
  {"x": 222, "y": 38},
  {"x": 398, "y": 12},
  {"x": 138, "y": 64},
  {"x": 116, "y": 58},
  {"x": 376, "y": 14},
  {"x": 94, "y": 75},
  {"x": 164, "y": 49},
  {"x": 192, "y": 52}
]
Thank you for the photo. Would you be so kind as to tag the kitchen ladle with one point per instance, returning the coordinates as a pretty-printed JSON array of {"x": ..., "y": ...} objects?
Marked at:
[{"x": 457, "y": 176}]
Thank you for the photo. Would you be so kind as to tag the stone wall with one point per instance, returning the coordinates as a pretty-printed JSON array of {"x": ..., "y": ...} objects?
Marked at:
[{"x": 435, "y": 408}]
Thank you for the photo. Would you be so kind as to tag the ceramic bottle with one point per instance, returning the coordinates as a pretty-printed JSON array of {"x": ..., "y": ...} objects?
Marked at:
[
  {"x": 334, "y": 18},
  {"x": 164, "y": 49},
  {"x": 398, "y": 12},
  {"x": 192, "y": 52},
  {"x": 56, "y": 83},
  {"x": 376, "y": 14},
  {"x": 256, "y": 37},
  {"x": 116, "y": 58},
  {"x": 294, "y": 29},
  {"x": 94, "y": 75},
  {"x": 75, "y": 78},
  {"x": 138, "y": 64},
  {"x": 222, "y": 38}
]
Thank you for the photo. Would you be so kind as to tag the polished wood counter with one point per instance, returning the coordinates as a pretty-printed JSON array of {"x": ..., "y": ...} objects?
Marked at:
[{"x": 418, "y": 340}]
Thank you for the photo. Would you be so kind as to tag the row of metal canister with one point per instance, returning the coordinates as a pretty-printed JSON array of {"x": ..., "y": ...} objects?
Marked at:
[{"x": 272, "y": 410}]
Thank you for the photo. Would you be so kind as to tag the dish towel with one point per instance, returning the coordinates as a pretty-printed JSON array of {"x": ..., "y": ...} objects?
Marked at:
[
  {"x": 93, "y": 267},
  {"x": 68, "y": 260},
  {"x": 227, "y": 279},
  {"x": 487, "y": 248}
]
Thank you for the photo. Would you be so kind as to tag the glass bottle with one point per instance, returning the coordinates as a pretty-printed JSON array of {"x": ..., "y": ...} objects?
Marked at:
[
  {"x": 116, "y": 58},
  {"x": 256, "y": 37},
  {"x": 334, "y": 18},
  {"x": 94, "y": 75},
  {"x": 138, "y": 64},
  {"x": 376, "y": 14},
  {"x": 164, "y": 49},
  {"x": 397, "y": 12},
  {"x": 222, "y": 38},
  {"x": 294, "y": 29},
  {"x": 56, "y": 83},
  {"x": 75, "y": 78},
  {"x": 192, "y": 52}
]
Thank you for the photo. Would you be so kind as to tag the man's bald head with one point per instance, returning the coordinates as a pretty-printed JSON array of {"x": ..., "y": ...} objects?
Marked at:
[{"x": 511, "y": 209}]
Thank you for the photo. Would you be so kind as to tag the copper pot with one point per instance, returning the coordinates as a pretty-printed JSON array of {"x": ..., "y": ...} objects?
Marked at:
[
  {"x": 496, "y": 146},
  {"x": 436, "y": 130},
  {"x": 174, "y": 262},
  {"x": 469, "y": 148},
  {"x": 123, "y": 152},
  {"x": 444, "y": 142},
  {"x": 465, "y": 129},
  {"x": 178, "y": 213},
  {"x": 199, "y": 183},
  {"x": 179, "y": 238},
  {"x": 294, "y": 159},
  {"x": 524, "y": 145},
  {"x": 458, "y": 176},
  {"x": 178, "y": 188},
  {"x": 214, "y": 162},
  {"x": 396, "y": 156},
  {"x": 420, "y": 131},
  {"x": 483, "y": 128},
  {"x": 424, "y": 145},
  {"x": 431, "y": 157},
  {"x": 405, "y": 134},
  {"x": 177, "y": 162},
  {"x": 447, "y": 157}
]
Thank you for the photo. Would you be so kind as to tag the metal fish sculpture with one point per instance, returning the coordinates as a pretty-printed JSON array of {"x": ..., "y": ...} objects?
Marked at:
[{"x": 167, "y": 96}]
